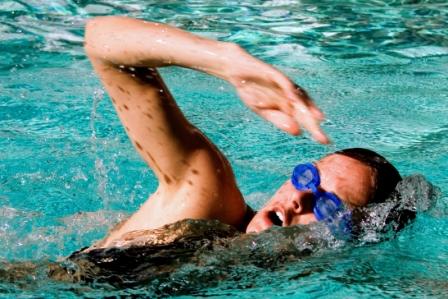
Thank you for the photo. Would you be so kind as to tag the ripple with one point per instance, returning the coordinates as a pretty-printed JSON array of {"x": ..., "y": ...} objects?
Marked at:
[
  {"x": 98, "y": 9},
  {"x": 391, "y": 27},
  {"x": 423, "y": 51},
  {"x": 276, "y": 13}
]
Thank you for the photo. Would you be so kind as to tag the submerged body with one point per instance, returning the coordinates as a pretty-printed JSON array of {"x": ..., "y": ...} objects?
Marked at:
[{"x": 202, "y": 252}]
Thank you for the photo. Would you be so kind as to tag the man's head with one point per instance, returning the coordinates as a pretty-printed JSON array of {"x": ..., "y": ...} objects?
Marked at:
[{"x": 356, "y": 176}]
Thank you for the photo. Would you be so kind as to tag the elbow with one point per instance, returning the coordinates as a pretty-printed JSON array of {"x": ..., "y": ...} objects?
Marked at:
[
  {"x": 96, "y": 31},
  {"x": 101, "y": 32},
  {"x": 92, "y": 29}
]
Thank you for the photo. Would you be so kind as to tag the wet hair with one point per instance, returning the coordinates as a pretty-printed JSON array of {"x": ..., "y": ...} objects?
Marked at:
[
  {"x": 387, "y": 178},
  {"x": 386, "y": 175}
]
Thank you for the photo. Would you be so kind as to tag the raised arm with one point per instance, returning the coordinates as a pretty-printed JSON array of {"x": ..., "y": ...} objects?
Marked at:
[
  {"x": 192, "y": 172},
  {"x": 195, "y": 179}
]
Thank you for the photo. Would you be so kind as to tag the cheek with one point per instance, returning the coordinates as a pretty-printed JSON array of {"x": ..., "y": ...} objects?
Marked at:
[
  {"x": 304, "y": 219},
  {"x": 308, "y": 218}
]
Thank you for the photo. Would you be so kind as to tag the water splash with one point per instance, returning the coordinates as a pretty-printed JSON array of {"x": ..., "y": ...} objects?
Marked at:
[
  {"x": 98, "y": 96},
  {"x": 414, "y": 194}
]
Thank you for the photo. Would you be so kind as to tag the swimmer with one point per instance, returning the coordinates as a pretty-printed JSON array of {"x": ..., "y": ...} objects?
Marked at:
[{"x": 195, "y": 179}]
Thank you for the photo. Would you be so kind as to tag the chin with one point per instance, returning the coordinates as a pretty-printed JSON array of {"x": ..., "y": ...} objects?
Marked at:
[{"x": 255, "y": 228}]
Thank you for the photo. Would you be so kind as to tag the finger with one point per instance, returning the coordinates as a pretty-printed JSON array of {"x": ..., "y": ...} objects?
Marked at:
[
  {"x": 297, "y": 94},
  {"x": 257, "y": 99},
  {"x": 304, "y": 96},
  {"x": 281, "y": 120},
  {"x": 312, "y": 124},
  {"x": 317, "y": 113},
  {"x": 302, "y": 109}
]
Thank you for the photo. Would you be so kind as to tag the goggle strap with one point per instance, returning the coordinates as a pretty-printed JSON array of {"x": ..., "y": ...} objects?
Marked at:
[{"x": 313, "y": 189}]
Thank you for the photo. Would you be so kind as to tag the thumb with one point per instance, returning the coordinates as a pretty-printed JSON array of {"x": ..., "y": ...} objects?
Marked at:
[{"x": 311, "y": 122}]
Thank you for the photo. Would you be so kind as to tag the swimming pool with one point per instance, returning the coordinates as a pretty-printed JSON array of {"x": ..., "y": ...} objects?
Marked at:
[{"x": 67, "y": 170}]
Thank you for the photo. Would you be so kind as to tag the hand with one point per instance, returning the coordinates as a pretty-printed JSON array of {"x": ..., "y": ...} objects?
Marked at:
[{"x": 273, "y": 96}]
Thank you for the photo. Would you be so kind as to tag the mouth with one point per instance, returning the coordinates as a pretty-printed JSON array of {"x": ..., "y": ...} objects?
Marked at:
[{"x": 276, "y": 217}]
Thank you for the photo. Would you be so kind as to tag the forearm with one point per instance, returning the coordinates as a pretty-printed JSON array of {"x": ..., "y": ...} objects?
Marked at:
[
  {"x": 131, "y": 42},
  {"x": 121, "y": 41}
]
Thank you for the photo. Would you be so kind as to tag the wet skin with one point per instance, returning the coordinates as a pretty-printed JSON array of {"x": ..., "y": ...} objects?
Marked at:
[{"x": 352, "y": 181}]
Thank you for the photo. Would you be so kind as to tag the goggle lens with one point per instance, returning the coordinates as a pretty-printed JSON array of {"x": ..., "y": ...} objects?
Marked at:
[
  {"x": 325, "y": 207},
  {"x": 305, "y": 178}
]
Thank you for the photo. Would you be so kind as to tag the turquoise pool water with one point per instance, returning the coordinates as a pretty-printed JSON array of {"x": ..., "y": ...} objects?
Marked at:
[{"x": 67, "y": 171}]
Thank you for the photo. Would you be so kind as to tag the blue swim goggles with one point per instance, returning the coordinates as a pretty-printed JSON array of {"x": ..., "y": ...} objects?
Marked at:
[{"x": 327, "y": 206}]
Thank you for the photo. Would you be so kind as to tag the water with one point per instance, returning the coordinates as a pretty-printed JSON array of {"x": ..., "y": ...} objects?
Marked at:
[{"x": 67, "y": 170}]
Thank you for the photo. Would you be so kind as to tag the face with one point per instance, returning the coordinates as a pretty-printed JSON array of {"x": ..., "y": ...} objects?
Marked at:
[{"x": 352, "y": 181}]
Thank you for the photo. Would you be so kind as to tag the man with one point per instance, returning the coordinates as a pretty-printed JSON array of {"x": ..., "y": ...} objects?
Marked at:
[{"x": 195, "y": 179}]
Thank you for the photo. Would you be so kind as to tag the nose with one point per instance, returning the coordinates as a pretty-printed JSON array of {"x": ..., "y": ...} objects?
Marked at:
[{"x": 301, "y": 201}]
